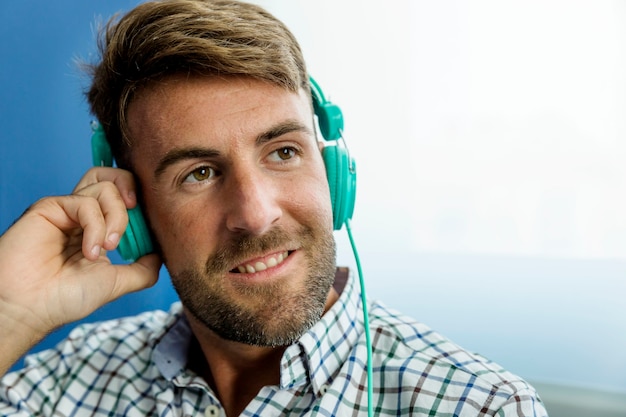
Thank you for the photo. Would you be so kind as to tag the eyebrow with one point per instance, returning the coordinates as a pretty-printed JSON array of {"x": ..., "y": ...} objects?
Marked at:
[
  {"x": 180, "y": 154},
  {"x": 283, "y": 128}
]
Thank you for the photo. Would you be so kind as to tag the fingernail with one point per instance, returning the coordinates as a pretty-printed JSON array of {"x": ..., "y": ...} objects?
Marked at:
[
  {"x": 95, "y": 251},
  {"x": 113, "y": 238}
]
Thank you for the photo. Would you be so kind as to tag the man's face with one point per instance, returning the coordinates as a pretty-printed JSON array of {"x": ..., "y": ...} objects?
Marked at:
[{"x": 235, "y": 190}]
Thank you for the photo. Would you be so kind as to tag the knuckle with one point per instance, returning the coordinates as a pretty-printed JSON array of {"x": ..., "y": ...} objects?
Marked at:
[
  {"x": 96, "y": 175},
  {"x": 107, "y": 187},
  {"x": 89, "y": 203}
]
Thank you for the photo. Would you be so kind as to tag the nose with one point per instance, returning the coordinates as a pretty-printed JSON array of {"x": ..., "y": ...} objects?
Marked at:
[{"x": 253, "y": 205}]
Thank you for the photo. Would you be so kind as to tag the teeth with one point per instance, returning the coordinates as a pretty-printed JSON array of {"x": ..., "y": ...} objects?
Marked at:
[{"x": 261, "y": 266}]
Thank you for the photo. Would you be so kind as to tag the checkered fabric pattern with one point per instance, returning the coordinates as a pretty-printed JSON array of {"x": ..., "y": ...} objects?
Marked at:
[{"x": 137, "y": 367}]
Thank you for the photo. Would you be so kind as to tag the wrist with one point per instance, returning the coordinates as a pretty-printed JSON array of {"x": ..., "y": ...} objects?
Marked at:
[{"x": 16, "y": 336}]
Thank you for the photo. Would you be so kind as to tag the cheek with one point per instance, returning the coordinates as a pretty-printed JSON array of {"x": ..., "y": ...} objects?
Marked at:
[
  {"x": 314, "y": 202},
  {"x": 180, "y": 232}
]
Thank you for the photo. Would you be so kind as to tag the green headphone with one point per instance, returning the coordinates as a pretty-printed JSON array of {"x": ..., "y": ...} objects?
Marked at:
[
  {"x": 340, "y": 167},
  {"x": 340, "y": 172}
]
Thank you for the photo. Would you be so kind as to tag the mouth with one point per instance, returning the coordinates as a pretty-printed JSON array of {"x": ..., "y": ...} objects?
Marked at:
[{"x": 261, "y": 264}]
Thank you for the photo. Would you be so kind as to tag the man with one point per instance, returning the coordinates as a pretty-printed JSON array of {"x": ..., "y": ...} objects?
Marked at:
[{"x": 208, "y": 104}]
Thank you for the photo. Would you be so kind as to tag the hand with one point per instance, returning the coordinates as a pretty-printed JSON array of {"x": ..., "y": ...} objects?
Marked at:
[{"x": 53, "y": 263}]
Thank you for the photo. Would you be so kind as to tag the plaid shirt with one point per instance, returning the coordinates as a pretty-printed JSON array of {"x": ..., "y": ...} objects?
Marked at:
[{"x": 137, "y": 367}]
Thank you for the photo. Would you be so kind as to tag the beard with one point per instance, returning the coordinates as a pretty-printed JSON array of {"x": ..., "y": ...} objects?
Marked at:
[{"x": 271, "y": 314}]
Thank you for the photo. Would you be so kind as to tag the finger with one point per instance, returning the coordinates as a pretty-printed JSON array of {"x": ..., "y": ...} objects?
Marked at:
[
  {"x": 87, "y": 214},
  {"x": 122, "y": 179},
  {"x": 107, "y": 282},
  {"x": 71, "y": 213},
  {"x": 137, "y": 276},
  {"x": 113, "y": 209}
]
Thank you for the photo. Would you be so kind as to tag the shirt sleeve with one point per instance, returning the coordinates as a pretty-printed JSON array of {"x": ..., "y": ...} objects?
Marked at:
[
  {"x": 31, "y": 390},
  {"x": 36, "y": 388},
  {"x": 523, "y": 403}
]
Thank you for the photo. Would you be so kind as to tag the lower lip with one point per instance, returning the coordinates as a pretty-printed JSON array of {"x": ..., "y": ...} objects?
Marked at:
[{"x": 270, "y": 274}]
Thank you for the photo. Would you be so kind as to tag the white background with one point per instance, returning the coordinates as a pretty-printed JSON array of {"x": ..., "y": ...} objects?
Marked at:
[{"x": 490, "y": 144}]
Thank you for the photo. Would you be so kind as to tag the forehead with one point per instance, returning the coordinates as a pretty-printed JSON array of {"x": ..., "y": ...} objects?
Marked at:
[{"x": 179, "y": 109}]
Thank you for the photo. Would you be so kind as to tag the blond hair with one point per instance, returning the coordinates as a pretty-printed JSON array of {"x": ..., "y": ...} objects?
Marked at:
[{"x": 195, "y": 37}]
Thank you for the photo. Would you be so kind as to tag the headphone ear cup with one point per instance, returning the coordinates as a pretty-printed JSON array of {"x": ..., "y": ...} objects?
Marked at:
[
  {"x": 341, "y": 175},
  {"x": 135, "y": 242}
]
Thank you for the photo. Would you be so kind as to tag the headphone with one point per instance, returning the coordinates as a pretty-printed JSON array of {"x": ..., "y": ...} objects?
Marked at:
[{"x": 340, "y": 172}]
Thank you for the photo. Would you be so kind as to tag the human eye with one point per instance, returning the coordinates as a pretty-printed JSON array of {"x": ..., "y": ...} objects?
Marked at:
[
  {"x": 284, "y": 153},
  {"x": 199, "y": 175}
]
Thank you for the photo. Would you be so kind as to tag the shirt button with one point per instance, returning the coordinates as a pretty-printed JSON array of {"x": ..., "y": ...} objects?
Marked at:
[
  {"x": 323, "y": 389},
  {"x": 212, "y": 411}
]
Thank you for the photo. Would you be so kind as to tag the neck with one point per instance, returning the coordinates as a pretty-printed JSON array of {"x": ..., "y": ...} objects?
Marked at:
[{"x": 237, "y": 371}]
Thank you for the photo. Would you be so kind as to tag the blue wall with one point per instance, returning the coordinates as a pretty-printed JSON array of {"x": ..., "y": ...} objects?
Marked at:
[{"x": 44, "y": 118}]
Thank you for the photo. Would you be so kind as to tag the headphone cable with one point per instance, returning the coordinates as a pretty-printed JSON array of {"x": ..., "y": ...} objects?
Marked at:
[{"x": 366, "y": 323}]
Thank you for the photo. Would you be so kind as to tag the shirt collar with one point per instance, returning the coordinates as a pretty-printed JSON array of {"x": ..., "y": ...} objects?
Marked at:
[
  {"x": 315, "y": 358},
  {"x": 319, "y": 354},
  {"x": 172, "y": 345}
]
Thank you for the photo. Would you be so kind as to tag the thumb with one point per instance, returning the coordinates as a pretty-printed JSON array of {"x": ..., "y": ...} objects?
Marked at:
[{"x": 136, "y": 276}]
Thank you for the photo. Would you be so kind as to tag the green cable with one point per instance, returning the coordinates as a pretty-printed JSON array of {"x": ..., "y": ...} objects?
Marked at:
[{"x": 366, "y": 323}]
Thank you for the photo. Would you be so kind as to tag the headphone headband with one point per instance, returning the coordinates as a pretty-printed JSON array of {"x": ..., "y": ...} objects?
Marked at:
[{"x": 329, "y": 115}]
